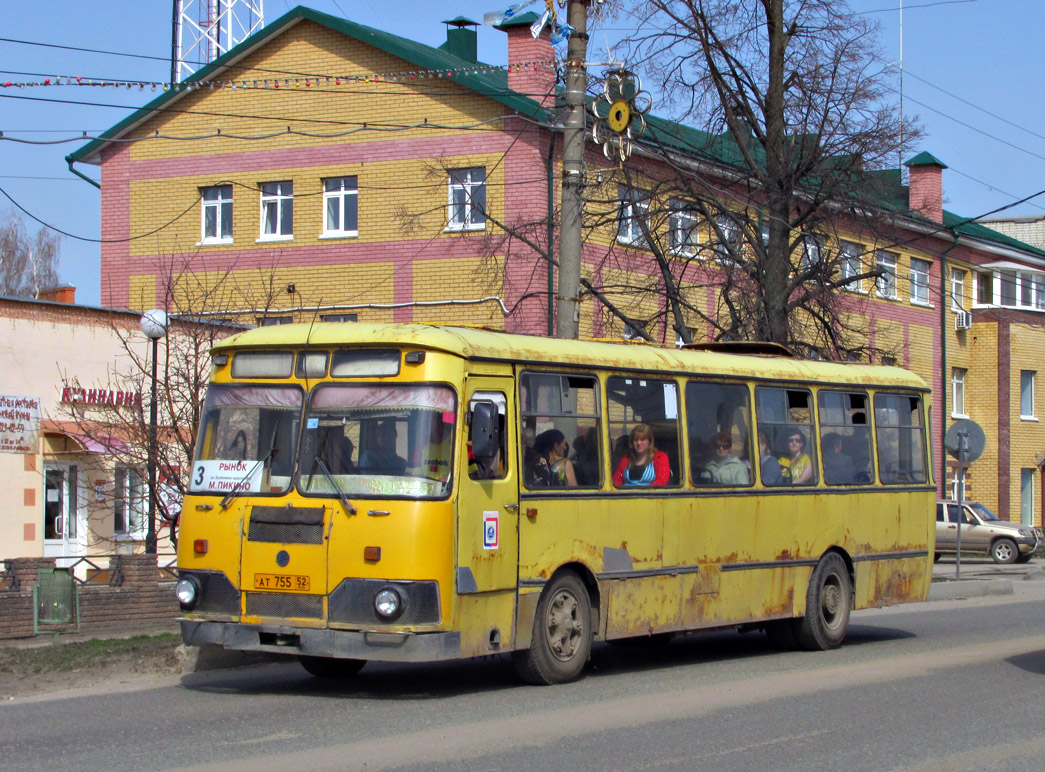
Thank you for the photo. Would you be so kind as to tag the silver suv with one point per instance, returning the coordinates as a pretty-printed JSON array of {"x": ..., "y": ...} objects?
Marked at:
[{"x": 982, "y": 531}]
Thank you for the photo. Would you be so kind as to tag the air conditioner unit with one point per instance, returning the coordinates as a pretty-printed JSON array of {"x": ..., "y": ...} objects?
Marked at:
[{"x": 963, "y": 320}]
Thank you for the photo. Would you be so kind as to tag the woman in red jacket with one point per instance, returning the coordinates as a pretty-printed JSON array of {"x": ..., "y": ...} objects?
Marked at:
[{"x": 643, "y": 465}]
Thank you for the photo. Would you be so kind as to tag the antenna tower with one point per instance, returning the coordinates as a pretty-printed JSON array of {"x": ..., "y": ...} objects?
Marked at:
[{"x": 203, "y": 30}]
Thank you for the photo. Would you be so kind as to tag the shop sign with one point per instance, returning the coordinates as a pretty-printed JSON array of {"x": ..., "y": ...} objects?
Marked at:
[
  {"x": 19, "y": 424},
  {"x": 103, "y": 397}
]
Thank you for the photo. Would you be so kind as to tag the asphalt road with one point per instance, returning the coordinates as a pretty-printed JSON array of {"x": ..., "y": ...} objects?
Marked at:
[{"x": 951, "y": 685}]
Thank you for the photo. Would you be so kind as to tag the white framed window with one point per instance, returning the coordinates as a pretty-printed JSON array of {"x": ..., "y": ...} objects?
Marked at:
[
  {"x": 216, "y": 215},
  {"x": 1027, "y": 393},
  {"x": 277, "y": 211},
  {"x": 730, "y": 248},
  {"x": 1011, "y": 288},
  {"x": 128, "y": 503},
  {"x": 632, "y": 212},
  {"x": 339, "y": 317},
  {"x": 920, "y": 281},
  {"x": 341, "y": 206},
  {"x": 984, "y": 288},
  {"x": 886, "y": 282},
  {"x": 958, "y": 375},
  {"x": 812, "y": 252},
  {"x": 467, "y": 199},
  {"x": 274, "y": 321},
  {"x": 631, "y": 332},
  {"x": 957, "y": 290},
  {"x": 850, "y": 264},
  {"x": 682, "y": 227}
]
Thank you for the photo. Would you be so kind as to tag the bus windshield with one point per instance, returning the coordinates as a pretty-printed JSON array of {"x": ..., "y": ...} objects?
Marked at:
[
  {"x": 378, "y": 440},
  {"x": 247, "y": 439}
]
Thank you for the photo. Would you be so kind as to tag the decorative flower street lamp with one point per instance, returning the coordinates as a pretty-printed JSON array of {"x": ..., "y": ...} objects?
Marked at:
[{"x": 154, "y": 326}]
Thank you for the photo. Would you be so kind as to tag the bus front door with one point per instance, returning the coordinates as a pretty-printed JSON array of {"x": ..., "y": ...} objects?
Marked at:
[{"x": 488, "y": 523}]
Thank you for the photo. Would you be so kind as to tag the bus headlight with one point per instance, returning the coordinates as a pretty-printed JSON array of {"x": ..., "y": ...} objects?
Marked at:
[
  {"x": 388, "y": 603},
  {"x": 188, "y": 592}
]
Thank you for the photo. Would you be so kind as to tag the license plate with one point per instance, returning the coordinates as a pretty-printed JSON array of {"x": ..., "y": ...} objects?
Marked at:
[{"x": 285, "y": 582}]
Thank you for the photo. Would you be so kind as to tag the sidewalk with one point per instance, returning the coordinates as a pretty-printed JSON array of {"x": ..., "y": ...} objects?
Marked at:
[{"x": 980, "y": 576}]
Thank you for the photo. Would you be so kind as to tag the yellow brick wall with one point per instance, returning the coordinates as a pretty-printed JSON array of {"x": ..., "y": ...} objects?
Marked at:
[
  {"x": 305, "y": 51},
  {"x": 1026, "y": 437}
]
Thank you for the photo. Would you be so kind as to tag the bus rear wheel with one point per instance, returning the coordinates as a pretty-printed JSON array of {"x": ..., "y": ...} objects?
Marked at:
[
  {"x": 331, "y": 667},
  {"x": 561, "y": 640},
  {"x": 829, "y": 600}
]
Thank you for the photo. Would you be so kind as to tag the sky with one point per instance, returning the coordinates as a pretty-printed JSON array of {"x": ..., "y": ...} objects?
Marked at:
[{"x": 972, "y": 71}]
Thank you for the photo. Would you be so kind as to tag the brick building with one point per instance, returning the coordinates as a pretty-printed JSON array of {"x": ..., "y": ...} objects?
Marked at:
[
  {"x": 342, "y": 172},
  {"x": 73, "y": 488}
]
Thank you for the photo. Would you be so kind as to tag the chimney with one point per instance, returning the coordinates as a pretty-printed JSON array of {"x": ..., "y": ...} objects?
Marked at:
[
  {"x": 925, "y": 194},
  {"x": 461, "y": 41},
  {"x": 64, "y": 294},
  {"x": 531, "y": 61}
]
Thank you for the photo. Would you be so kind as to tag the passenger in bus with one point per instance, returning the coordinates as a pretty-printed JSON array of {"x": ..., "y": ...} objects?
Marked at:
[
  {"x": 796, "y": 465},
  {"x": 771, "y": 473},
  {"x": 382, "y": 458},
  {"x": 237, "y": 451},
  {"x": 552, "y": 465},
  {"x": 838, "y": 466},
  {"x": 725, "y": 468},
  {"x": 585, "y": 457},
  {"x": 643, "y": 465}
]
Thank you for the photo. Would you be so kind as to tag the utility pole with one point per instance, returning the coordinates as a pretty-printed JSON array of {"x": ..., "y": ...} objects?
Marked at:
[{"x": 568, "y": 297}]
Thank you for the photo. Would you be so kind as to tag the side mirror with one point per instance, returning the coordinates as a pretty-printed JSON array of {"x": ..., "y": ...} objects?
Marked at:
[{"x": 484, "y": 433}]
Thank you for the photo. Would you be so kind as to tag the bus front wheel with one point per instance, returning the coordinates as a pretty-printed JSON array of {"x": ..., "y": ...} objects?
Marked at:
[
  {"x": 829, "y": 600},
  {"x": 562, "y": 633},
  {"x": 330, "y": 667}
]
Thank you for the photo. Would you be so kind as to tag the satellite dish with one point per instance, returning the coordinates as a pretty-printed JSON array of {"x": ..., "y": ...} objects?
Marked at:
[{"x": 968, "y": 432}]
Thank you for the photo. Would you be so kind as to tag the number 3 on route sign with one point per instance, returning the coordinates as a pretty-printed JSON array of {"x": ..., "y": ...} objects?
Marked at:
[{"x": 491, "y": 539}]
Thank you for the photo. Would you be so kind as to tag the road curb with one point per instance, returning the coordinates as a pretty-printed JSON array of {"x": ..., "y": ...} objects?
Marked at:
[{"x": 972, "y": 588}]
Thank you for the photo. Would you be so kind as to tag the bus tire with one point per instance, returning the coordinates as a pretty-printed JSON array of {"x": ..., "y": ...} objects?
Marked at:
[
  {"x": 829, "y": 600},
  {"x": 331, "y": 667},
  {"x": 562, "y": 634}
]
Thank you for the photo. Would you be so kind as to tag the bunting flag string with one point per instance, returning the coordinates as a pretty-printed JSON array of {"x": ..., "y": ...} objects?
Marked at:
[{"x": 285, "y": 82}]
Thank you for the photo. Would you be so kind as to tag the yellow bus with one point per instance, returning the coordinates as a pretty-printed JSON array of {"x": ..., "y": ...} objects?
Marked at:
[{"x": 406, "y": 492}]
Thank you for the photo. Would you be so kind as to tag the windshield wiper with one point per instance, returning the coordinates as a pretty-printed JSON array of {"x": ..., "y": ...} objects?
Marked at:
[
  {"x": 333, "y": 481},
  {"x": 250, "y": 473}
]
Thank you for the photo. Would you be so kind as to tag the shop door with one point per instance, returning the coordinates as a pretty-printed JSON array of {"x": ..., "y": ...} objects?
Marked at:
[{"x": 65, "y": 528}]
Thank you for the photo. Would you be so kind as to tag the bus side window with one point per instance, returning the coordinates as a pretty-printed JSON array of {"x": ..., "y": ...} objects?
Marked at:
[
  {"x": 845, "y": 438},
  {"x": 900, "y": 432},
  {"x": 718, "y": 417},
  {"x": 487, "y": 415},
  {"x": 643, "y": 409},
  {"x": 568, "y": 404},
  {"x": 785, "y": 419}
]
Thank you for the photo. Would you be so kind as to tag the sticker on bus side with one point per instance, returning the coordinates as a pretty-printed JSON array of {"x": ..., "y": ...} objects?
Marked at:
[{"x": 491, "y": 532}]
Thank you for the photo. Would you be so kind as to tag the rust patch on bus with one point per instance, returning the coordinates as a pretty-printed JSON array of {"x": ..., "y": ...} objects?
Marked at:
[{"x": 785, "y": 555}]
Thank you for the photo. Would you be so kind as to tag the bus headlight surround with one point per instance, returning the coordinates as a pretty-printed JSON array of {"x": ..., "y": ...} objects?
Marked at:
[
  {"x": 187, "y": 591},
  {"x": 388, "y": 603}
]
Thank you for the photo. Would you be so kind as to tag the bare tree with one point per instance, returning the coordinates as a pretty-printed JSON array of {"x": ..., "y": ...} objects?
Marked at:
[
  {"x": 203, "y": 308},
  {"x": 796, "y": 125},
  {"x": 28, "y": 263}
]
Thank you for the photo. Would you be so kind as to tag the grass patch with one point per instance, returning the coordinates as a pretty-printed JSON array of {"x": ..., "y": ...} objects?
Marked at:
[{"x": 139, "y": 653}]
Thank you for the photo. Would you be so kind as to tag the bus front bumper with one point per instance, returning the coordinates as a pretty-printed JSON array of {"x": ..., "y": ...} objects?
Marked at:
[{"x": 280, "y": 639}]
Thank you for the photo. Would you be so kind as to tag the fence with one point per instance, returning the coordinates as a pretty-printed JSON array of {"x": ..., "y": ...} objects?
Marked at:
[{"x": 95, "y": 594}]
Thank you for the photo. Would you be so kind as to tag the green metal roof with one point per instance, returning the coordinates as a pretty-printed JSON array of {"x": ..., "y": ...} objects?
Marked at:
[{"x": 925, "y": 159}]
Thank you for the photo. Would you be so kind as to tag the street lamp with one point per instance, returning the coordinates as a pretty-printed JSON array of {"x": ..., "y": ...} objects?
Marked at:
[{"x": 154, "y": 326}]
